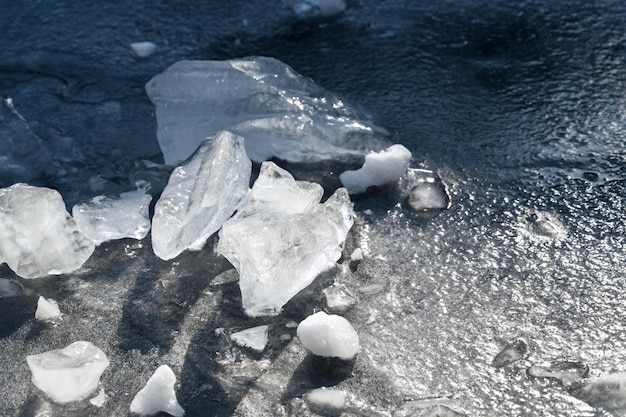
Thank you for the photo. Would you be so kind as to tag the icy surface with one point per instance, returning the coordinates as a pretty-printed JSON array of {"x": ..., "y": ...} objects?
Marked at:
[
  {"x": 47, "y": 310},
  {"x": 277, "y": 248},
  {"x": 326, "y": 400},
  {"x": 380, "y": 168},
  {"x": 329, "y": 335},
  {"x": 158, "y": 395},
  {"x": 143, "y": 49},
  {"x": 38, "y": 237},
  {"x": 200, "y": 196},
  {"x": 280, "y": 113},
  {"x": 68, "y": 374},
  {"x": 254, "y": 338},
  {"x": 107, "y": 218}
]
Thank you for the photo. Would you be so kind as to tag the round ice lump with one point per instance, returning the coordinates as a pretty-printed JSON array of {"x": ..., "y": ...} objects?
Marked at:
[{"x": 329, "y": 335}]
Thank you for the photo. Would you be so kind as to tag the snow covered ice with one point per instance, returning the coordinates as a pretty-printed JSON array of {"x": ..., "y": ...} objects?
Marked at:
[
  {"x": 158, "y": 395},
  {"x": 107, "y": 218},
  {"x": 329, "y": 335},
  {"x": 38, "y": 237},
  {"x": 380, "y": 168},
  {"x": 200, "y": 196},
  {"x": 47, "y": 310},
  {"x": 68, "y": 374},
  {"x": 280, "y": 113},
  {"x": 254, "y": 338},
  {"x": 277, "y": 248}
]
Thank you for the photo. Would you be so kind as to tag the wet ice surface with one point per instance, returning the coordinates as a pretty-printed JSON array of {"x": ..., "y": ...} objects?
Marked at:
[{"x": 517, "y": 106}]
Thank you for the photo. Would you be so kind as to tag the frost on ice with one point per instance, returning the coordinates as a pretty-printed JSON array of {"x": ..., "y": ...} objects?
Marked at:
[
  {"x": 380, "y": 168},
  {"x": 279, "y": 248},
  {"x": 158, "y": 395},
  {"x": 38, "y": 237},
  {"x": 329, "y": 335},
  {"x": 254, "y": 338},
  {"x": 47, "y": 310},
  {"x": 280, "y": 113},
  {"x": 68, "y": 374},
  {"x": 201, "y": 195}
]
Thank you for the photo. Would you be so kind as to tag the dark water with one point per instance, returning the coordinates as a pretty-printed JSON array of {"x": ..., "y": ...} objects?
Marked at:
[{"x": 519, "y": 106}]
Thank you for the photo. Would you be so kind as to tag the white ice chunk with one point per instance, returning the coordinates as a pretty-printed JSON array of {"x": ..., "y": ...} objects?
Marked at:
[
  {"x": 426, "y": 190},
  {"x": 254, "y": 338},
  {"x": 279, "y": 252},
  {"x": 201, "y": 195},
  {"x": 318, "y": 8},
  {"x": 38, "y": 237},
  {"x": 158, "y": 395},
  {"x": 380, "y": 168},
  {"x": 100, "y": 399},
  {"x": 325, "y": 400},
  {"x": 47, "y": 310},
  {"x": 143, "y": 49},
  {"x": 108, "y": 218},
  {"x": 280, "y": 113},
  {"x": 68, "y": 374},
  {"x": 329, "y": 335},
  {"x": 338, "y": 299}
]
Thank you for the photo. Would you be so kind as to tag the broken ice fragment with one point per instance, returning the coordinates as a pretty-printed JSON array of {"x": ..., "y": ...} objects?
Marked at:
[
  {"x": 512, "y": 352},
  {"x": 68, "y": 374},
  {"x": 254, "y": 338},
  {"x": 338, "y": 299},
  {"x": 307, "y": 9},
  {"x": 278, "y": 251},
  {"x": 426, "y": 190},
  {"x": 380, "y": 168},
  {"x": 100, "y": 399},
  {"x": 201, "y": 195},
  {"x": 158, "y": 395},
  {"x": 108, "y": 218},
  {"x": 38, "y": 237},
  {"x": 567, "y": 372},
  {"x": 607, "y": 391},
  {"x": 323, "y": 401},
  {"x": 47, "y": 310},
  {"x": 280, "y": 113},
  {"x": 143, "y": 49},
  {"x": 329, "y": 335}
]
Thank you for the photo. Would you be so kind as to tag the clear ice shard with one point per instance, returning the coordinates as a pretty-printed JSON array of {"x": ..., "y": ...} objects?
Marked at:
[
  {"x": 47, "y": 310},
  {"x": 158, "y": 395},
  {"x": 38, "y": 237},
  {"x": 254, "y": 338},
  {"x": 426, "y": 190},
  {"x": 380, "y": 168},
  {"x": 68, "y": 374},
  {"x": 280, "y": 113},
  {"x": 329, "y": 335},
  {"x": 282, "y": 238},
  {"x": 201, "y": 195},
  {"x": 108, "y": 218}
]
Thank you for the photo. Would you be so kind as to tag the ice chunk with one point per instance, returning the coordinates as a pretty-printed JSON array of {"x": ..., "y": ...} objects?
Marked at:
[
  {"x": 280, "y": 113},
  {"x": 38, "y": 237},
  {"x": 47, "y": 310},
  {"x": 100, "y": 399},
  {"x": 426, "y": 190},
  {"x": 338, "y": 299},
  {"x": 158, "y": 395},
  {"x": 379, "y": 168},
  {"x": 254, "y": 338},
  {"x": 201, "y": 195},
  {"x": 512, "y": 352},
  {"x": 608, "y": 391},
  {"x": 68, "y": 374},
  {"x": 108, "y": 218},
  {"x": 322, "y": 400},
  {"x": 567, "y": 372},
  {"x": 329, "y": 335},
  {"x": 279, "y": 251},
  {"x": 143, "y": 49},
  {"x": 305, "y": 9}
]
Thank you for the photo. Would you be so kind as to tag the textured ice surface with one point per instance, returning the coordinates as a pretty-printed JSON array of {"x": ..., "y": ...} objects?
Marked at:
[
  {"x": 68, "y": 374},
  {"x": 47, "y": 310},
  {"x": 143, "y": 49},
  {"x": 254, "y": 338},
  {"x": 201, "y": 195},
  {"x": 380, "y": 168},
  {"x": 280, "y": 113},
  {"x": 329, "y": 335},
  {"x": 158, "y": 395},
  {"x": 277, "y": 248},
  {"x": 322, "y": 400},
  {"x": 38, "y": 237},
  {"x": 107, "y": 218}
]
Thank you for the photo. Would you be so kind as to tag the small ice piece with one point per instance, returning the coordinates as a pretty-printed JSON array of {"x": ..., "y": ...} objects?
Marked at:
[
  {"x": 47, "y": 310},
  {"x": 338, "y": 299},
  {"x": 426, "y": 190},
  {"x": 108, "y": 218},
  {"x": 380, "y": 168},
  {"x": 254, "y": 338},
  {"x": 329, "y": 335},
  {"x": 608, "y": 391},
  {"x": 68, "y": 374},
  {"x": 323, "y": 400},
  {"x": 38, "y": 237},
  {"x": 569, "y": 373},
  {"x": 158, "y": 395},
  {"x": 306, "y": 9},
  {"x": 512, "y": 352},
  {"x": 143, "y": 49},
  {"x": 201, "y": 195},
  {"x": 357, "y": 255},
  {"x": 100, "y": 399}
]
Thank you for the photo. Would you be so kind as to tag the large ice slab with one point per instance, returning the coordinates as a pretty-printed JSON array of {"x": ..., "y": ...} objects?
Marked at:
[
  {"x": 201, "y": 195},
  {"x": 277, "y": 248},
  {"x": 38, "y": 237},
  {"x": 280, "y": 113},
  {"x": 158, "y": 395},
  {"x": 68, "y": 374}
]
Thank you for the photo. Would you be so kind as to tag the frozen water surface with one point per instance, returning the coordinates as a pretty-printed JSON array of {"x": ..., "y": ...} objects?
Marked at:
[{"x": 517, "y": 106}]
